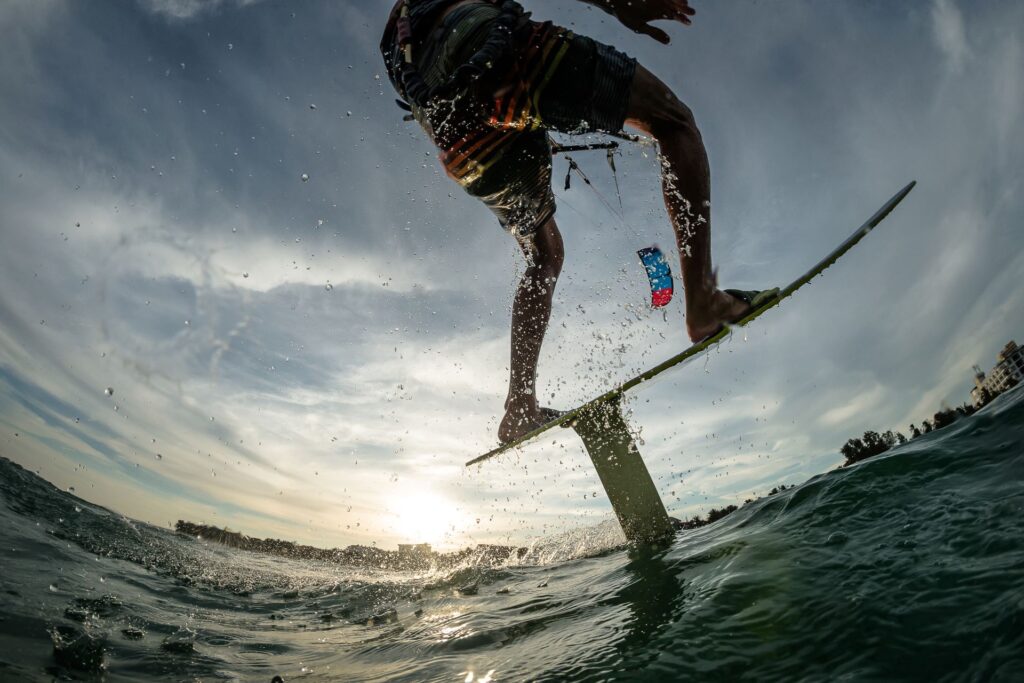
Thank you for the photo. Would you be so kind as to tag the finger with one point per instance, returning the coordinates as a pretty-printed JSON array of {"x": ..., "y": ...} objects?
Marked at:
[
  {"x": 654, "y": 32},
  {"x": 684, "y": 12},
  {"x": 681, "y": 8},
  {"x": 681, "y": 18},
  {"x": 677, "y": 11}
]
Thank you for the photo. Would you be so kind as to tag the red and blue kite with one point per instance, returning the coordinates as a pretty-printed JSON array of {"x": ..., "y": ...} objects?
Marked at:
[{"x": 659, "y": 274}]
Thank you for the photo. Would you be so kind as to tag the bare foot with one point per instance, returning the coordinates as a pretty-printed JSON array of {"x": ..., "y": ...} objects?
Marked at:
[
  {"x": 519, "y": 422},
  {"x": 705, "y": 320}
]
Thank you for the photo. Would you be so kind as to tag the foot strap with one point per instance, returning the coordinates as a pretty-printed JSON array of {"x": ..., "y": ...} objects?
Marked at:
[{"x": 755, "y": 298}]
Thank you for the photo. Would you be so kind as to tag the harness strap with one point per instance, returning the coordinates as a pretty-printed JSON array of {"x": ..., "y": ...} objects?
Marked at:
[{"x": 403, "y": 33}]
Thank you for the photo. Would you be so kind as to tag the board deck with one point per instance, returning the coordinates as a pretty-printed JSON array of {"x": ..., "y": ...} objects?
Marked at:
[{"x": 571, "y": 416}]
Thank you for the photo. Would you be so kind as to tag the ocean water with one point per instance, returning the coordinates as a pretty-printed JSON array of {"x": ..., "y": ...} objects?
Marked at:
[{"x": 909, "y": 566}]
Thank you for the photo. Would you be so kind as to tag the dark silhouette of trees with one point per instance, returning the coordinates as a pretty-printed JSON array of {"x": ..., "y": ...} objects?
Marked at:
[
  {"x": 778, "y": 489},
  {"x": 714, "y": 515},
  {"x": 871, "y": 444},
  {"x": 943, "y": 418}
]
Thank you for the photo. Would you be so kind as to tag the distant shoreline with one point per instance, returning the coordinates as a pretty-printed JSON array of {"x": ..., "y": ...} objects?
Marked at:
[
  {"x": 873, "y": 443},
  {"x": 411, "y": 557},
  {"x": 421, "y": 556}
]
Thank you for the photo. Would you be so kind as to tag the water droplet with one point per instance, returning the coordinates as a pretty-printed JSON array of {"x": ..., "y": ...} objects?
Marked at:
[
  {"x": 312, "y": 106},
  {"x": 53, "y": 588},
  {"x": 159, "y": 456},
  {"x": 245, "y": 274},
  {"x": 329, "y": 287},
  {"x": 109, "y": 391},
  {"x": 305, "y": 177}
]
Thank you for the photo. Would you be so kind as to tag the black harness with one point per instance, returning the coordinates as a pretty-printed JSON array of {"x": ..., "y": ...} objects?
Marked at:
[{"x": 414, "y": 14}]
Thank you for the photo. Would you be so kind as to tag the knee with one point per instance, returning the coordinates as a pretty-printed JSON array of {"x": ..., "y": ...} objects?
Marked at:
[
  {"x": 655, "y": 109},
  {"x": 547, "y": 265},
  {"x": 674, "y": 121},
  {"x": 547, "y": 252}
]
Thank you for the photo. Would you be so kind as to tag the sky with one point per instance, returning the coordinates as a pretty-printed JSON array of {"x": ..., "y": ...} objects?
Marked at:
[{"x": 189, "y": 329}]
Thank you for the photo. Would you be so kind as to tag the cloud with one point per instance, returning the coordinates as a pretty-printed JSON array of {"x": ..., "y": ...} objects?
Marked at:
[
  {"x": 949, "y": 32},
  {"x": 138, "y": 193},
  {"x": 864, "y": 401},
  {"x": 190, "y": 9}
]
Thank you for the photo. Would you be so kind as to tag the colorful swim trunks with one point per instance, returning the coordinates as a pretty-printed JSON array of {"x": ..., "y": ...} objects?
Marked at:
[{"x": 493, "y": 135}]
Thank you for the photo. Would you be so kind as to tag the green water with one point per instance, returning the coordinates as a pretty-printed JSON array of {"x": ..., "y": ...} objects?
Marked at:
[{"x": 909, "y": 566}]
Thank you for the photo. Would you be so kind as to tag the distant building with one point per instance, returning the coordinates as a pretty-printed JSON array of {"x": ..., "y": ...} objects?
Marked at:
[
  {"x": 413, "y": 549},
  {"x": 1008, "y": 372},
  {"x": 414, "y": 554}
]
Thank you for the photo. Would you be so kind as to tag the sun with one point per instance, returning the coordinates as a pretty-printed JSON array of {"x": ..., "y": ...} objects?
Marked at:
[{"x": 423, "y": 517}]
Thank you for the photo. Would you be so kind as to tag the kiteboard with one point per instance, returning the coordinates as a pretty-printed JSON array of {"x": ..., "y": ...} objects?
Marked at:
[{"x": 574, "y": 417}]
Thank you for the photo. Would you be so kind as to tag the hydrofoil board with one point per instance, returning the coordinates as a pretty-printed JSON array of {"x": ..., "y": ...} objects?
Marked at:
[{"x": 573, "y": 416}]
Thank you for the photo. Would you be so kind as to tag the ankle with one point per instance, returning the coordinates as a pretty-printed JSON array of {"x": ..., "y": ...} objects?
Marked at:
[
  {"x": 521, "y": 404},
  {"x": 701, "y": 299},
  {"x": 704, "y": 286}
]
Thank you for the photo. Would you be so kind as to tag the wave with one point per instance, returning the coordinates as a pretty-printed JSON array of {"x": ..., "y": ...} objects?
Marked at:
[{"x": 904, "y": 566}]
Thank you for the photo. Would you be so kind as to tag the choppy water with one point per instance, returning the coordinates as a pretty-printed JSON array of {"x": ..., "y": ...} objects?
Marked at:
[{"x": 907, "y": 567}]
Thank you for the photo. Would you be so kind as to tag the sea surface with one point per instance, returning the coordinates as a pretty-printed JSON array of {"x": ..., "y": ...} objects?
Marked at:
[{"x": 909, "y": 566}]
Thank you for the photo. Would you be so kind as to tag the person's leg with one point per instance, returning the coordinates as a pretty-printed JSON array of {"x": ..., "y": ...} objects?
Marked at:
[
  {"x": 531, "y": 310},
  {"x": 686, "y": 183}
]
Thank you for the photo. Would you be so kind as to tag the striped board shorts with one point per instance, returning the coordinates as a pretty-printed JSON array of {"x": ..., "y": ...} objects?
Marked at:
[{"x": 494, "y": 138}]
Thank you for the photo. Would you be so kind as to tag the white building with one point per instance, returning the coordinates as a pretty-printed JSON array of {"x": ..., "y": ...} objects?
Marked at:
[
  {"x": 413, "y": 555},
  {"x": 1008, "y": 372}
]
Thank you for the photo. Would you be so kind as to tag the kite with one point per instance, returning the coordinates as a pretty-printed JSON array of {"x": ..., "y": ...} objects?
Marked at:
[{"x": 659, "y": 274}]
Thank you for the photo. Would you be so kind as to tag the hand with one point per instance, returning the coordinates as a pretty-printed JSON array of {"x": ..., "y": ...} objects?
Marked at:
[{"x": 636, "y": 15}]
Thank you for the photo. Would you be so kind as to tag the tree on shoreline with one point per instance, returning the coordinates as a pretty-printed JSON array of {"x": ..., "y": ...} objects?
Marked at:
[{"x": 872, "y": 443}]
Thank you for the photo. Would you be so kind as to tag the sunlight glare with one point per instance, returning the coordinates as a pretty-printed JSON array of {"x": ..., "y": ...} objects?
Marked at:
[{"x": 423, "y": 517}]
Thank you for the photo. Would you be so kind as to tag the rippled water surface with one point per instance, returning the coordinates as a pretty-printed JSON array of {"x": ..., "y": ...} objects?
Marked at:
[{"x": 909, "y": 566}]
